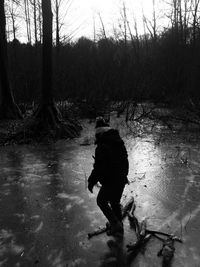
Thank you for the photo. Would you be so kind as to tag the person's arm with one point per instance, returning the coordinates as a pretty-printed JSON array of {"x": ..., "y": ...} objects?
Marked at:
[{"x": 98, "y": 167}]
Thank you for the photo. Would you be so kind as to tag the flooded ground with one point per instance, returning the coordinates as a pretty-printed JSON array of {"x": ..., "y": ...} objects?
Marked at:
[{"x": 46, "y": 210}]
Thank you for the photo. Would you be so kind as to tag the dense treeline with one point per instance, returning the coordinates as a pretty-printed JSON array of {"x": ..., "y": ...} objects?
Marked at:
[{"x": 161, "y": 69}]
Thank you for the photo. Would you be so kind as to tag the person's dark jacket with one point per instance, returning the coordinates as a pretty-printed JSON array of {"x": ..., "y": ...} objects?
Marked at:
[{"x": 111, "y": 160}]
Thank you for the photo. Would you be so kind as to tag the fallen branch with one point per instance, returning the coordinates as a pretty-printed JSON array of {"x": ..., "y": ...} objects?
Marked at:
[
  {"x": 98, "y": 232},
  {"x": 155, "y": 233},
  {"x": 128, "y": 207},
  {"x": 144, "y": 235},
  {"x": 141, "y": 230}
]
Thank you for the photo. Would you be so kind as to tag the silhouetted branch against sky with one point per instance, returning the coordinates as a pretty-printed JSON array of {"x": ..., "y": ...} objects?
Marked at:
[{"x": 76, "y": 17}]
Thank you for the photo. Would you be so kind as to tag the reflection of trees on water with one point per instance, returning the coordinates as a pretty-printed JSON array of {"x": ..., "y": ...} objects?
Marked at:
[
  {"x": 32, "y": 218},
  {"x": 49, "y": 232},
  {"x": 14, "y": 223}
]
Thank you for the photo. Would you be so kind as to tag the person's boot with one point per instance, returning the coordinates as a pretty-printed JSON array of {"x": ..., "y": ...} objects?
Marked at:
[{"x": 116, "y": 227}]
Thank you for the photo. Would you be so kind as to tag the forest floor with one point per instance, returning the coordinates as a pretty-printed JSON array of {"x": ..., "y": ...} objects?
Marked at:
[{"x": 47, "y": 211}]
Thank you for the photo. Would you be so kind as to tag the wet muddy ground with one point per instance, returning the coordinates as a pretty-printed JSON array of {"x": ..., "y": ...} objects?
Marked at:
[{"x": 46, "y": 210}]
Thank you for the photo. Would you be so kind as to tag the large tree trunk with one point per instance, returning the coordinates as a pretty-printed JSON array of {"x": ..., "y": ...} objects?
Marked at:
[
  {"x": 48, "y": 118},
  {"x": 47, "y": 111},
  {"x": 8, "y": 108}
]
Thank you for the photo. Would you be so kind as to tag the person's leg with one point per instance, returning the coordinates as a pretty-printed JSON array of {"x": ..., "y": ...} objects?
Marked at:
[
  {"x": 115, "y": 201},
  {"x": 103, "y": 203}
]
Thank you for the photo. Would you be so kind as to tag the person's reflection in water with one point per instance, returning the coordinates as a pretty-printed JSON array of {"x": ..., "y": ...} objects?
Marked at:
[{"x": 116, "y": 256}]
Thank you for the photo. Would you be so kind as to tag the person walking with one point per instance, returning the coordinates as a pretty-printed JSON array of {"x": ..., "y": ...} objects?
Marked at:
[{"x": 110, "y": 169}]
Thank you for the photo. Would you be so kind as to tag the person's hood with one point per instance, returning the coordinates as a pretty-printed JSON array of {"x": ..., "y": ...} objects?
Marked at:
[{"x": 110, "y": 136}]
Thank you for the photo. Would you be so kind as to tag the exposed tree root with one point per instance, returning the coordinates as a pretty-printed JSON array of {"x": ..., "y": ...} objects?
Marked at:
[
  {"x": 48, "y": 120},
  {"x": 46, "y": 124}
]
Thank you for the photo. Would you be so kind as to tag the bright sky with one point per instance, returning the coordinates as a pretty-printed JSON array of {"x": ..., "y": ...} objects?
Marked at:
[
  {"x": 80, "y": 16},
  {"x": 83, "y": 13}
]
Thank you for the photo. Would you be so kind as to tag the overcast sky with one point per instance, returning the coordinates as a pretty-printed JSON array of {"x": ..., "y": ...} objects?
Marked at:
[{"x": 79, "y": 16}]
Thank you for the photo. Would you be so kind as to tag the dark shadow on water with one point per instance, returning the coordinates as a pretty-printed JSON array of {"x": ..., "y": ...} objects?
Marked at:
[{"x": 116, "y": 257}]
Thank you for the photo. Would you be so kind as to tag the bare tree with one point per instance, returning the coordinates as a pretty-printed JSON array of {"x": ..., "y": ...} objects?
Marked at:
[
  {"x": 40, "y": 19},
  {"x": 151, "y": 25},
  {"x": 58, "y": 6},
  {"x": 195, "y": 18},
  {"x": 154, "y": 25},
  {"x": 102, "y": 26},
  {"x": 94, "y": 30},
  {"x": 12, "y": 8},
  {"x": 124, "y": 21},
  {"x": 34, "y": 6},
  {"x": 27, "y": 20}
]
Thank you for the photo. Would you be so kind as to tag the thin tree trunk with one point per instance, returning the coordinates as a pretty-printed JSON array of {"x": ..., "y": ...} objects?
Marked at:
[
  {"x": 154, "y": 22},
  {"x": 94, "y": 30},
  {"x": 194, "y": 24},
  {"x": 125, "y": 22},
  {"x": 29, "y": 21},
  {"x": 57, "y": 26},
  {"x": 26, "y": 20},
  {"x": 12, "y": 15},
  {"x": 40, "y": 20},
  {"x": 35, "y": 20},
  {"x": 103, "y": 27},
  {"x": 181, "y": 22}
]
